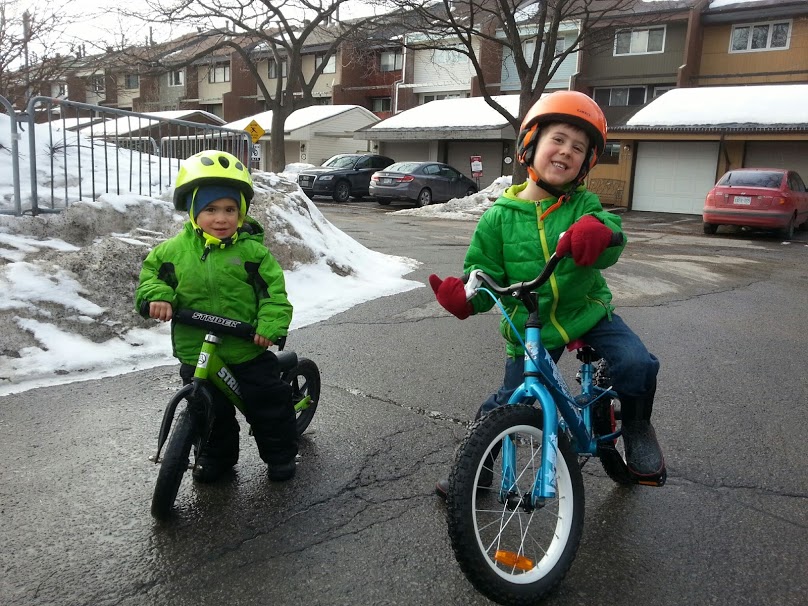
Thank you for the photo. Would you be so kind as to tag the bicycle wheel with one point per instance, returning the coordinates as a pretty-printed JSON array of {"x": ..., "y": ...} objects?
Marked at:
[
  {"x": 512, "y": 552},
  {"x": 612, "y": 454},
  {"x": 173, "y": 465},
  {"x": 305, "y": 381}
]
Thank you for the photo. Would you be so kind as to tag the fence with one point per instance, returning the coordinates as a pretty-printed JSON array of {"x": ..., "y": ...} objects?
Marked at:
[{"x": 78, "y": 151}]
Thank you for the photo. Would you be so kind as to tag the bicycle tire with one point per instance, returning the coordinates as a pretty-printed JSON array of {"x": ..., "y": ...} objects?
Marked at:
[
  {"x": 173, "y": 466},
  {"x": 485, "y": 533},
  {"x": 305, "y": 381}
]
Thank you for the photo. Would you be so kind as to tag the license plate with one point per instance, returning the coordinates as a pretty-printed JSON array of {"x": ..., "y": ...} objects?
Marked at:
[
  {"x": 386, "y": 181},
  {"x": 745, "y": 200}
]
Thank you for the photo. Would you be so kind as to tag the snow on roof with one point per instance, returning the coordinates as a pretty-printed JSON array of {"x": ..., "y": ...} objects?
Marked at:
[
  {"x": 714, "y": 105},
  {"x": 128, "y": 124},
  {"x": 470, "y": 113},
  {"x": 298, "y": 118},
  {"x": 720, "y": 3}
]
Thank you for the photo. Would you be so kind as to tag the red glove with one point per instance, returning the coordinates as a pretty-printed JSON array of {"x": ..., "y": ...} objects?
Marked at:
[
  {"x": 586, "y": 239},
  {"x": 451, "y": 294}
]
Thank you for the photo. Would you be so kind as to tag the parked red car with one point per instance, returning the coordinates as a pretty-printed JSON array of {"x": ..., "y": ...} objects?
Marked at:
[{"x": 762, "y": 198}]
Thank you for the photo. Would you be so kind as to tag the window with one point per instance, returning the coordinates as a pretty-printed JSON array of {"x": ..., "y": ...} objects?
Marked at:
[
  {"x": 176, "y": 78},
  {"x": 390, "y": 61},
  {"x": 219, "y": 73},
  {"x": 760, "y": 37},
  {"x": 611, "y": 154},
  {"x": 382, "y": 104},
  {"x": 131, "y": 81},
  {"x": 273, "y": 69},
  {"x": 330, "y": 66},
  {"x": 97, "y": 84},
  {"x": 59, "y": 90},
  {"x": 441, "y": 97},
  {"x": 661, "y": 90},
  {"x": 620, "y": 96},
  {"x": 447, "y": 56},
  {"x": 639, "y": 41}
]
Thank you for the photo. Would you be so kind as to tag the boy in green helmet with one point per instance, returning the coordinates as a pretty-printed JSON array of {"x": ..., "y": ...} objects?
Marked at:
[{"x": 219, "y": 264}]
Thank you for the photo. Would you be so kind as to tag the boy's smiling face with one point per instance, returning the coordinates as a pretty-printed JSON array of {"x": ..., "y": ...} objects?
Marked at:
[
  {"x": 219, "y": 218},
  {"x": 560, "y": 153}
]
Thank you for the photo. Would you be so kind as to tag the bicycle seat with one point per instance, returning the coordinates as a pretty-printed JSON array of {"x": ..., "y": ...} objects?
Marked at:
[{"x": 576, "y": 344}]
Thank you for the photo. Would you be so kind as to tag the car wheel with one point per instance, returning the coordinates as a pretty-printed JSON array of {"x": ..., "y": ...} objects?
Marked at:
[
  {"x": 424, "y": 198},
  {"x": 383, "y": 202},
  {"x": 788, "y": 231},
  {"x": 710, "y": 228},
  {"x": 471, "y": 191},
  {"x": 342, "y": 191},
  {"x": 803, "y": 226}
]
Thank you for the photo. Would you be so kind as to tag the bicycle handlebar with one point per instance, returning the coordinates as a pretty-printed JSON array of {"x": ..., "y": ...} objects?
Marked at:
[
  {"x": 477, "y": 278},
  {"x": 214, "y": 323}
]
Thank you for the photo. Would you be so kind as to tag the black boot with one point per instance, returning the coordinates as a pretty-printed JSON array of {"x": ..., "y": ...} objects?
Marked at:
[
  {"x": 643, "y": 454},
  {"x": 220, "y": 453}
]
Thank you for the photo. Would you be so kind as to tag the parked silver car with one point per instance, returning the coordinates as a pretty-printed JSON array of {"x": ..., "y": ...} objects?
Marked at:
[{"x": 420, "y": 182}]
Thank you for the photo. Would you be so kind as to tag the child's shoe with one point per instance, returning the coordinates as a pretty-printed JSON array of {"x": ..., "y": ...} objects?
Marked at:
[
  {"x": 209, "y": 469},
  {"x": 643, "y": 454},
  {"x": 281, "y": 472}
]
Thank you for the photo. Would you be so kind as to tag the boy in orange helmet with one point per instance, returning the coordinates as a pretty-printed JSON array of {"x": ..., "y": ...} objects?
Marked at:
[{"x": 560, "y": 140}]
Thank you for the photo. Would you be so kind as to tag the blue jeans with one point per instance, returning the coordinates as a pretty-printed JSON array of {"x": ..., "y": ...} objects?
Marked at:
[{"x": 632, "y": 368}]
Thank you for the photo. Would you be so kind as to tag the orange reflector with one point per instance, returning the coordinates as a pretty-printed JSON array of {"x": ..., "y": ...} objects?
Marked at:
[{"x": 509, "y": 558}]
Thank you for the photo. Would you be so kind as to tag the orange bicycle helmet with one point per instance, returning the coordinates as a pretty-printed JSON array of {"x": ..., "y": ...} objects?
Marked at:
[{"x": 570, "y": 107}]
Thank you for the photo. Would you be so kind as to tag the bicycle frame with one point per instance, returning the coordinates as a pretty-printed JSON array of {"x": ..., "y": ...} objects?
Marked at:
[{"x": 544, "y": 383}]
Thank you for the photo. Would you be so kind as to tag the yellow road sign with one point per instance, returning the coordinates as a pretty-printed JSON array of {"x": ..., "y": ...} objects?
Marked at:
[{"x": 255, "y": 130}]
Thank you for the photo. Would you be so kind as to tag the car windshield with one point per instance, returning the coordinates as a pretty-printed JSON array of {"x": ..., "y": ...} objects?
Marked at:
[
  {"x": 752, "y": 178},
  {"x": 403, "y": 167},
  {"x": 341, "y": 162}
]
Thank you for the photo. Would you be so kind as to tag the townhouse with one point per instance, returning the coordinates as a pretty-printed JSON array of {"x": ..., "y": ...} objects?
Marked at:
[{"x": 639, "y": 55}]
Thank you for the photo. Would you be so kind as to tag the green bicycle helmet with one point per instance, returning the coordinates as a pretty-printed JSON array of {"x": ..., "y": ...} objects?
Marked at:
[{"x": 211, "y": 167}]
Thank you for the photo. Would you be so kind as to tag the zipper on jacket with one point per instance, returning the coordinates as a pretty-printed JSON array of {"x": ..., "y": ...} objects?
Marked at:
[
  {"x": 205, "y": 253},
  {"x": 602, "y": 304},
  {"x": 553, "y": 282}
]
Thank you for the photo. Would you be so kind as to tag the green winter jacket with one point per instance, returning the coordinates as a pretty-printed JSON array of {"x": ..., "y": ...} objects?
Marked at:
[
  {"x": 242, "y": 281},
  {"x": 512, "y": 244}
]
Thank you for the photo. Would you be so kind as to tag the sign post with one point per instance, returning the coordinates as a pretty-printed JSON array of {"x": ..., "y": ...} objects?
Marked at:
[
  {"x": 476, "y": 168},
  {"x": 256, "y": 132}
]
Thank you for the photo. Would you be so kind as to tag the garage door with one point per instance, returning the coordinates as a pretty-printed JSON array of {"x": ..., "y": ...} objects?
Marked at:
[
  {"x": 792, "y": 155},
  {"x": 459, "y": 155},
  {"x": 673, "y": 176}
]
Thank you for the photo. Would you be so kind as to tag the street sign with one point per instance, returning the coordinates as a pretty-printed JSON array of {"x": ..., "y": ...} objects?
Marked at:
[
  {"x": 476, "y": 166},
  {"x": 255, "y": 130}
]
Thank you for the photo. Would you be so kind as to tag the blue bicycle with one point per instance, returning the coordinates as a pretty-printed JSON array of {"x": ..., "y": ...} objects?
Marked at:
[{"x": 516, "y": 494}]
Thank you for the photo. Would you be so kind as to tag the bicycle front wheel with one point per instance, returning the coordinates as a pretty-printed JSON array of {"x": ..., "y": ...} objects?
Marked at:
[
  {"x": 173, "y": 465},
  {"x": 510, "y": 550}
]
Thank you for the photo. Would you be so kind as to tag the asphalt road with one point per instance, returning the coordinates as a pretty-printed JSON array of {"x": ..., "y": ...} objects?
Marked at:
[{"x": 360, "y": 523}]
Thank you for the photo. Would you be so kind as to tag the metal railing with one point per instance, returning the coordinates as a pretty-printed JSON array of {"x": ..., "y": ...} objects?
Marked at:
[{"x": 80, "y": 151}]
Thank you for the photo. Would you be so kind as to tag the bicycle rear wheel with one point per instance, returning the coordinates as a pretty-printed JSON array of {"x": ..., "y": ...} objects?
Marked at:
[
  {"x": 510, "y": 551},
  {"x": 305, "y": 381},
  {"x": 173, "y": 465},
  {"x": 612, "y": 453}
]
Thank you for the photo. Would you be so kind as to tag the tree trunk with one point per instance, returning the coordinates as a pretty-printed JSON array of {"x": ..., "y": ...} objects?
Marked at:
[{"x": 277, "y": 150}]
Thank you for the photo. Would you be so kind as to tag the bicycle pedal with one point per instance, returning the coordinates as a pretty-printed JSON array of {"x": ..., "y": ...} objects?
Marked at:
[{"x": 657, "y": 482}]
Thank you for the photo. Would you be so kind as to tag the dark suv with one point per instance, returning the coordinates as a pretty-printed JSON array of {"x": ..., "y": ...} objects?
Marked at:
[{"x": 342, "y": 176}]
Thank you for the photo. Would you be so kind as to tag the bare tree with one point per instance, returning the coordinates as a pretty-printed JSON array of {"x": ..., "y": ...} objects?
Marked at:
[
  {"x": 32, "y": 51},
  {"x": 280, "y": 30},
  {"x": 486, "y": 31}
]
